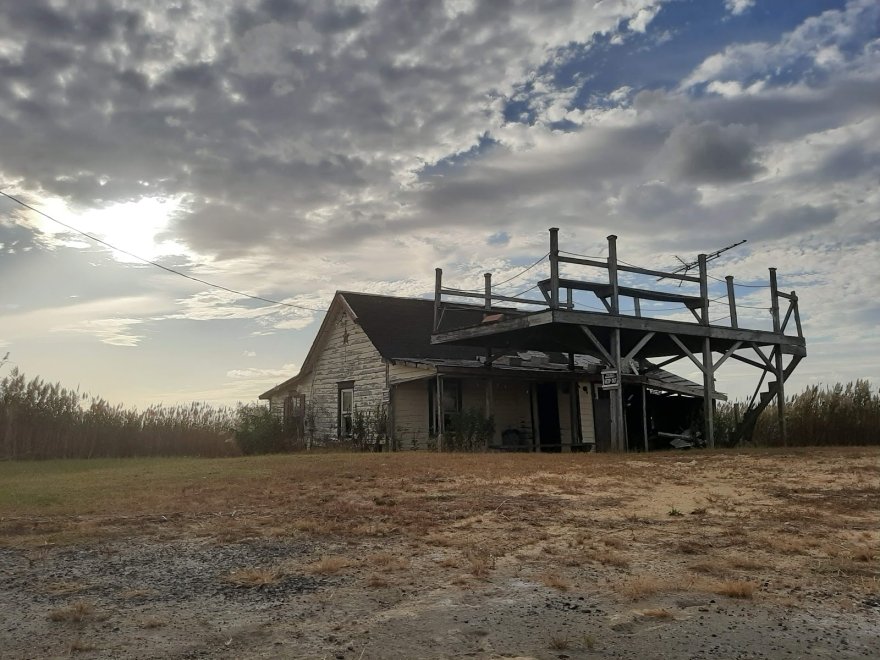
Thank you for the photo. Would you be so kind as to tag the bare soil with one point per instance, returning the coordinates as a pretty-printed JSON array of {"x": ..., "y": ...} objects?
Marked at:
[{"x": 752, "y": 554}]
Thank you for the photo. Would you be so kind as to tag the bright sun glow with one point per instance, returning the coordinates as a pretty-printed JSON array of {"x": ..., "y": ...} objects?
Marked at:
[{"x": 130, "y": 226}]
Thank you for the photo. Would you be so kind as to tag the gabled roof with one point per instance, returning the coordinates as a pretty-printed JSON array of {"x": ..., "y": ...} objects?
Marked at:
[{"x": 400, "y": 329}]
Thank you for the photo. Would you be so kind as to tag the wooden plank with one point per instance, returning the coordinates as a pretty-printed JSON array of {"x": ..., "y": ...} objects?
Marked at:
[
  {"x": 745, "y": 360},
  {"x": 629, "y": 269},
  {"x": 606, "y": 290},
  {"x": 598, "y": 345},
  {"x": 687, "y": 352},
  {"x": 639, "y": 346},
  {"x": 731, "y": 302},
  {"x": 481, "y": 296},
  {"x": 554, "y": 268},
  {"x": 764, "y": 358},
  {"x": 729, "y": 352}
]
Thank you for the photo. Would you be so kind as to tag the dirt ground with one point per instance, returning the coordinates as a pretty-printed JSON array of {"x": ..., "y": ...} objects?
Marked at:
[{"x": 752, "y": 554}]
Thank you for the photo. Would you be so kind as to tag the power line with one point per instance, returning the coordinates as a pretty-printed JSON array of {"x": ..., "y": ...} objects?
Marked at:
[
  {"x": 749, "y": 286},
  {"x": 154, "y": 263},
  {"x": 523, "y": 272}
]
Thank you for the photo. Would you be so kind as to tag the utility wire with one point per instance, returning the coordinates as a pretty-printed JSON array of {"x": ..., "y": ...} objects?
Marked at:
[
  {"x": 748, "y": 286},
  {"x": 523, "y": 272},
  {"x": 156, "y": 264}
]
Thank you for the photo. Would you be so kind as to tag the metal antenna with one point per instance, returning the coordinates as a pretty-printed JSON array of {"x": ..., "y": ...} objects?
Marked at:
[{"x": 689, "y": 265}]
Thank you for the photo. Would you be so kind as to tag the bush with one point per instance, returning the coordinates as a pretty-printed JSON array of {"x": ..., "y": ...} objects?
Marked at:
[{"x": 258, "y": 431}]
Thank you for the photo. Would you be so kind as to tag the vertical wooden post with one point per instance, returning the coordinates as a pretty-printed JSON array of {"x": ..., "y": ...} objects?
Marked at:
[
  {"x": 438, "y": 284},
  {"x": 612, "y": 274},
  {"x": 797, "y": 314},
  {"x": 441, "y": 421},
  {"x": 490, "y": 409},
  {"x": 708, "y": 394},
  {"x": 645, "y": 415},
  {"x": 637, "y": 304},
  {"x": 731, "y": 302},
  {"x": 554, "y": 268},
  {"x": 704, "y": 290},
  {"x": 708, "y": 369},
  {"x": 777, "y": 358},
  {"x": 618, "y": 430},
  {"x": 569, "y": 298},
  {"x": 488, "y": 291}
]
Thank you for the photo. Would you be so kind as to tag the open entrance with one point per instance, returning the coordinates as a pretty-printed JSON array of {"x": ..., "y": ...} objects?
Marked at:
[{"x": 548, "y": 416}]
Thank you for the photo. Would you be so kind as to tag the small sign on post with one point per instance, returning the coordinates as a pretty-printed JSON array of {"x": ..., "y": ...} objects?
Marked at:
[{"x": 610, "y": 380}]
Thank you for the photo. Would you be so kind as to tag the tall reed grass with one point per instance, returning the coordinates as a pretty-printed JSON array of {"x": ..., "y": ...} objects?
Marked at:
[
  {"x": 40, "y": 420},
  {"x": 820, "y": 415}
]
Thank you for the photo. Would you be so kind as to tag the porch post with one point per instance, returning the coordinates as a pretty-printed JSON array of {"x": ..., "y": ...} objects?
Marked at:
[
  {"x": 440, "y": 420},
  {"x": 536, "y": 423},
  {"x": 777, "y": 359},
  {"x": 708, "y": 367},
  {"x": 645, "y": 414},
  {"x": 618, "y": 432},
  {"x": 490, "y": 410},
  {"x": 574, "y": 410}
]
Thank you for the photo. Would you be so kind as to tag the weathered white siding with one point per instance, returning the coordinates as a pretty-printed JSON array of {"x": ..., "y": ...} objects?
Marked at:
[
  {"x": 410, "y": 403},
  {"x": 347, "y": 354},
  {"x": 585, "y": 395}
]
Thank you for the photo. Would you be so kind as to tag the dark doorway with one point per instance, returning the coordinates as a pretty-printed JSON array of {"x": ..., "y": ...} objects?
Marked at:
[
  {"x": 602, "y": 420},
  {"x": 548, "y": 417}
]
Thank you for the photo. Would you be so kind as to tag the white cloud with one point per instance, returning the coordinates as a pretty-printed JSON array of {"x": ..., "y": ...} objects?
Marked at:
[{"x": 737, "y": 7}]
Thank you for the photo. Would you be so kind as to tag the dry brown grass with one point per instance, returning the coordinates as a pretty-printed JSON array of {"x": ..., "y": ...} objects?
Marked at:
[
  {"x": 559, "y": 643},
  {"x": 735, "y": 588},
  {"x": 73, "y": 613},
  {"x": 377, "y": 581},
  {"x": 152, "y": 622},
  {"x": 543, "y": 513},
  {"x": 657, "y": 613},
  {"x": 555, "y": 581},
  {"x": 330, "y": 565},
  {"x": 80, "y": 645}
]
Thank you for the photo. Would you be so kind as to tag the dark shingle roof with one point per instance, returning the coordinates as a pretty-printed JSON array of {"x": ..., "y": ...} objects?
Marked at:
[{"x": 401, "y": 327}]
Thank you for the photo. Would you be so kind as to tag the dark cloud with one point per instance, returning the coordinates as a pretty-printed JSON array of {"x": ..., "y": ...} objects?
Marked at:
[{"x": 713, "y": 153}]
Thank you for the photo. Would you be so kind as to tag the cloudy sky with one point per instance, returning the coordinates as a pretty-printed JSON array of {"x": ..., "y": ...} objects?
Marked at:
[{"x": 289, "y": 148}]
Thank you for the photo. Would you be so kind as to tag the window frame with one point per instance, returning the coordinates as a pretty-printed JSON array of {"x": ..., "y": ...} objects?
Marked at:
[{"x": 343, "y": 429}]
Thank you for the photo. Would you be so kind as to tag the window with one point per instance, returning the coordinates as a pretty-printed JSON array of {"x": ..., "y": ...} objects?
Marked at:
[
  {"x": 451, "y": 404},
  {"x": 346, "y": 408}
]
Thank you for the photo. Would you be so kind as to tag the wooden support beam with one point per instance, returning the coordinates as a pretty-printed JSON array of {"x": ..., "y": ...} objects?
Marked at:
[
  {"x": 704, "y": 290},
  {"x": 599, "y": 346},
  {"x": 629, "y": 269},
  {"x": 637, "y": 306},
  {"x": 639, "y": 346},
  {"x": 797, "y": 315},
  {"x": 656, "y": 367},
  {"x": 618, "y": 427},
  {"x": 471, "y": 294},
  {"x": 645, "y": 415},
  {"x": 612, "y": 274},
  {"x": 787, "y": 317},
  {"x": 728, "y": 354},
  {"x": 441, "y": 418},
  {"x": 603, "y": 290},
  {"x": 687, "y": 352},
  {"x": 536, "y": 422},
  {"x": 731, "y": 302},
  {"x": 708, "y": 392},
  {"x": 767, "y": 363},
  {"x": 438, "y": 287},
  {"x": 777, "y": 358},
  {"x": 554, "y": 268},
  {"x": 490, "y": 409},
  {"x": 745, "y": 360}
]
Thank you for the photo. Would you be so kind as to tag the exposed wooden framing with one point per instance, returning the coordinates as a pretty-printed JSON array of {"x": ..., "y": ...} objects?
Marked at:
[
  {"x": 554, "y": 268},
  {"x": 605, "y": 354},
  {"x": 708, "y": 391},
  {"x": 645, "y": 337},
  {"x": 441, "y": 417},
  {"x": 645, "y": 415},
  {"x": 749, "y": 361},
  {"x": 639, "y": 346},
  {"x": 603, "y": 290},
  {"x": 675, "y": 358},
  {"x": 728, "y": 354},
  {"x": 768, "y": 364},
  {"x": 573, "y": 413},
  {"x": 688, "y": 353},
  {"x": 628, "y": 269},
  {"x": 438, "y": 288},
  {"x": 731, "y": 302},
  {"x": 704, "y": 290},
  {"x": 777, "y": 354},
  {"x": 495, "y": 296}
]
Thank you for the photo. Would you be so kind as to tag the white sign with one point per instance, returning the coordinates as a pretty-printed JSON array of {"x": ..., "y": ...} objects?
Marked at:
[{"x": 609, "y": 379}]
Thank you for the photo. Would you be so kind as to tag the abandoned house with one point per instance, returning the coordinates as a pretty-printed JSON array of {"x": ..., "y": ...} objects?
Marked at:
[{"x": 373, "y": 356}]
